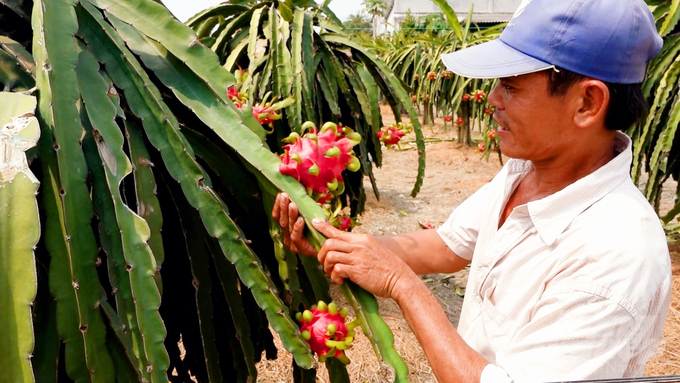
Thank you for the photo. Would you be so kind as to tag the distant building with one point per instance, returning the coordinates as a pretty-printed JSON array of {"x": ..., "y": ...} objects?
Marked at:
[{"x": 484, "y": 12}]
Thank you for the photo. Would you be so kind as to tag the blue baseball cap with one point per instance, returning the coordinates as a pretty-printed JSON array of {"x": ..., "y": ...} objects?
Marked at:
[{"x": 609, "y": 40}]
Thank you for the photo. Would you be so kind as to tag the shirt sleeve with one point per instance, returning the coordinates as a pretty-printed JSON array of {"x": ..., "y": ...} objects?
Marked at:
[
  {"x": 572, "y": 335},
  {"x": 461, "y": 229}
]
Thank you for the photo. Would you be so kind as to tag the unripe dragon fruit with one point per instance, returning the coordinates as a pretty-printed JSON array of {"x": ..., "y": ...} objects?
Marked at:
[
  {"x": 318, "y": 158},
  {"x": 447, "y": 74},
  {"x": 325, "y": 330},
  {"x": 415, "y": 77}
]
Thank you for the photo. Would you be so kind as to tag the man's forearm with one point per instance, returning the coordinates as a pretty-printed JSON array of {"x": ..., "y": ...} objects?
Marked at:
[
  {"x": 451, "y": 359},
  {"x": 424, "y": 251}
]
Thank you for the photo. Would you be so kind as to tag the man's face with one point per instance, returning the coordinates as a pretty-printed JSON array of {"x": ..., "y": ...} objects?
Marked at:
[{"x": 533, "y": 124}]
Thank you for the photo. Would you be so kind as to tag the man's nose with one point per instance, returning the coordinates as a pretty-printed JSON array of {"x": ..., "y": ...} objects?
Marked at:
[{"x": 494, "y": 97}]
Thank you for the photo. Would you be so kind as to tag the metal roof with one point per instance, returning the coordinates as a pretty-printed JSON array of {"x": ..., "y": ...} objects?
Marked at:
[{"x": 477, "y": 17}]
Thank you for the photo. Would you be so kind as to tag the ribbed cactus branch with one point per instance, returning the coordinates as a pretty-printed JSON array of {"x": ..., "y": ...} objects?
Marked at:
[
  {"x": 19, "y": 234},
  {"x": 68, "y": 234},
  {"x": 164, "y": 134},
  {"x": 140, "y": 263}
]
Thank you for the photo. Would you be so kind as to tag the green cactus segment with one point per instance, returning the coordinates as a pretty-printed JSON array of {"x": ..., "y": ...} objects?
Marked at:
[
  {"x": 148, "y": 206},
  {"x": 22, "y": 58},
  {"x": 371, "y": 92},
  {"x": 229, "y": 281},
  {"x": 124, "y": 356},
  {"x": 163, "y": 132},
  {"x": 199, "y": 259},
  {"x": 309, "y": 67},
  {"x": 73, "y": 278},
  {"x": 398, "y": 92},
  {"x": 111, "y": 243},
  {"x": 175, "y": 36},
  {"x": 19, "y": 234},
  {"x": 140, "y": 263},
  {"x": 366, "y": 307},
  {"x": 294, "y": 112},
  {"x": 12, "y": 75}
]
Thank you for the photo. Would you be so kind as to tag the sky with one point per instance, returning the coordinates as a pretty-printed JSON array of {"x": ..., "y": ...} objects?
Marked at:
[{"x": 184, "y": 9}]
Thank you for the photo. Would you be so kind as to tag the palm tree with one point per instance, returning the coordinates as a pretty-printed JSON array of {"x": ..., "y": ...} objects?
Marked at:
[{"x": 375, "y": 8}]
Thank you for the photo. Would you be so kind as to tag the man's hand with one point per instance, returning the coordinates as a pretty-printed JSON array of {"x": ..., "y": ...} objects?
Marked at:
[
  {"x": 292, "y": 225},
  {"x": 362, "y": 259}
]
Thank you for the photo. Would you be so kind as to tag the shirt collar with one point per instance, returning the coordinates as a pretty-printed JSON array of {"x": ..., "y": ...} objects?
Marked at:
[{"x": 551, "y": 215}]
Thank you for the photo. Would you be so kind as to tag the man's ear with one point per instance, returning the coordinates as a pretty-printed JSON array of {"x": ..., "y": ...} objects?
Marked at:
[{"x": 593, "y": 101}]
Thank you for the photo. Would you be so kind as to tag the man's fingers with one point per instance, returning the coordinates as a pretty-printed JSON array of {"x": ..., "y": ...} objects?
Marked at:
[
  {"x": 329, "y": 231},
  {"x": 292, "y": 215},
  {"x": 276, "y": 210},
  {"x": 283, "y": 208},
  {"x": 298, "y": 240},
  {"x": 339, "y": 273},
  {"x": 334, "y": 258}
]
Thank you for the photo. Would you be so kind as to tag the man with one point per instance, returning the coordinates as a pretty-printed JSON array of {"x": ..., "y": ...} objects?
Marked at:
[{"x": 569, "y": 267}]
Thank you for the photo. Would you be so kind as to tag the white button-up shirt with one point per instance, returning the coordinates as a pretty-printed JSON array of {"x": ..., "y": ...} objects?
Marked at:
[{"x": 573, "y": 286}]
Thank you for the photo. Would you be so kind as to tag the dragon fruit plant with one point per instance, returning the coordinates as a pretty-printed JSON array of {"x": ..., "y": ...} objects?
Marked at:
[
  {"x": 318, "y": 158},
  {"x": 325, "y": 330}
]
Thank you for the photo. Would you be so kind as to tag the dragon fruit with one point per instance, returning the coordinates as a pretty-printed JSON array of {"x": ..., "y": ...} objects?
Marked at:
[
  {"x": 448, "y": 118},
  {"x": 459, "y": 121},
  {"x": 479, "y": 95},
  {"x": 432, "y": 75},
  {"x": 481, "y": 147},
  {"x": 488, "y": 111},
  {"x": 318, "y": 158},
  {"x": 264, "y": 114},
  {"x": 392, "y": 133},
  {"x": 492, "y": 134},
  {"x": 325, "y": 330},
  {"x": 447, "y": 74},
  {"x": 465, "y": 97}
]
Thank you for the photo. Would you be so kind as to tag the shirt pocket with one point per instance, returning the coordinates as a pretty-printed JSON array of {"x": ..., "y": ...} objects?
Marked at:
[{"x": 498, "y": 327}]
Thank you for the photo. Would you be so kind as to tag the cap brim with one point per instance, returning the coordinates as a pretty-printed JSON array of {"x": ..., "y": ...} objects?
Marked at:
[{"x": 493, "y": 59}]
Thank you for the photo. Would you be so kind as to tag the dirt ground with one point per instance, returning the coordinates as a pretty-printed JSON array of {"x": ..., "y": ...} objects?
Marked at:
[{"x": 453, "y": 173}]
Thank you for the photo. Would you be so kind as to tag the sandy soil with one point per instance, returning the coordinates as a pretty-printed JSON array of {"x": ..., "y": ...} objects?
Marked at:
[{"x": 453, "y": 174}]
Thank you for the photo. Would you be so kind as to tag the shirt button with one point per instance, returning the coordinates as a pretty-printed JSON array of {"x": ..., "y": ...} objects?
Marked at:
[{"x": 478, "y": 299}]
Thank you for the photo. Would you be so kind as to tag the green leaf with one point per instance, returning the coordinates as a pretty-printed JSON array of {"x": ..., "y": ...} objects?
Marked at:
[
  {"x": 450, "y": 17},
  {"x": 19, "y": 234}
]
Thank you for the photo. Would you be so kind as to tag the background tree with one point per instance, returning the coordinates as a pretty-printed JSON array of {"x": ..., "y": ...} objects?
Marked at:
[{"x": 375, "y": 8}]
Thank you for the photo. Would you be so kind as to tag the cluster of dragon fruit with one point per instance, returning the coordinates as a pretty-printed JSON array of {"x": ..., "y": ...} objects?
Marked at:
[
  {"x": 317, "y": 159},
  {"x": 323, "y": 327},
  {"x": 266, "y": 111},
  {"x": 391, "y": 134}
]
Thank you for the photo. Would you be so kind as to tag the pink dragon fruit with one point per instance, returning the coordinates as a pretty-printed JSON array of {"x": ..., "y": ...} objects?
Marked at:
[
  {"x": 318, "y": 158},
  {"x": 265, "y": 115},
  {"x": 448, "y": 118},
  {"x": 325, "y": 330},
  {"x": 479, "y": 95},
  {"x": 392, "y": 133}
]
